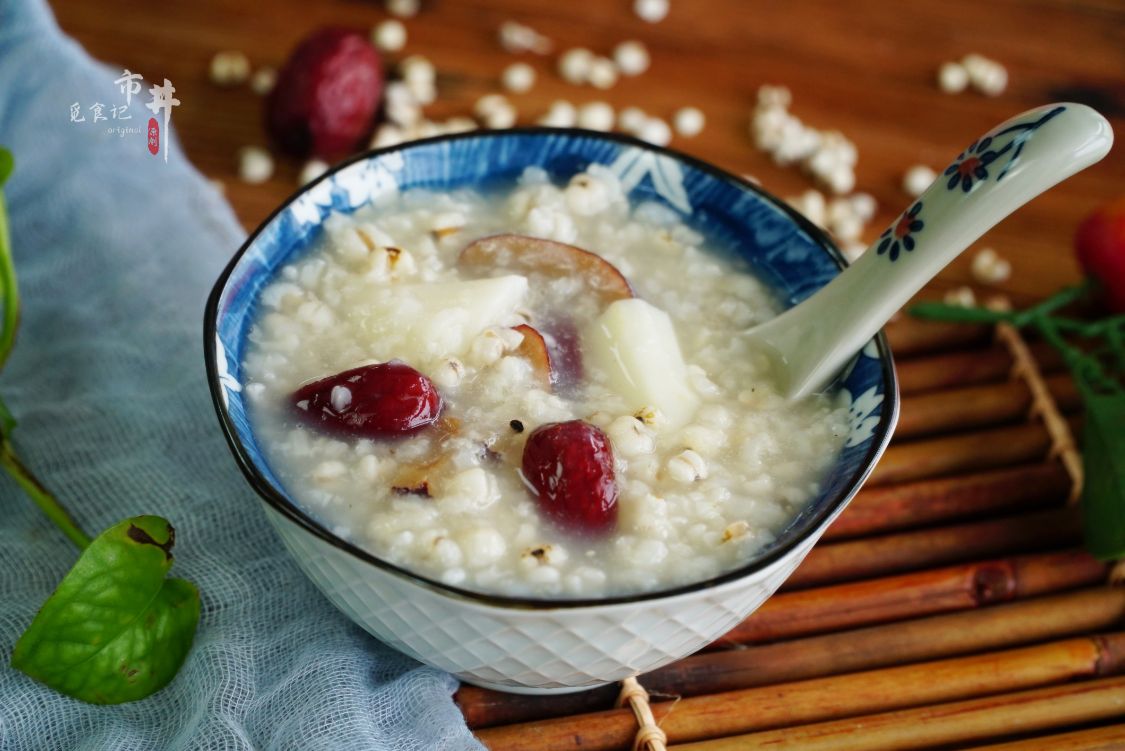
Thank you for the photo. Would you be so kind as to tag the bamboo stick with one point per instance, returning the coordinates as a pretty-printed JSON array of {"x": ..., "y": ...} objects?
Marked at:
[
  {"x": 1047, "y": 406},
  {"x": 896, "y": 507},
  {"x": 945, "y": 724},
  {"x": 954, "y": 369},
  {"x": 887, "y": 644},
  {"x": 800, "y": 613},
  {"x": 821, "y": 699},
  {"x": 907, "y": 551},
  {"x": 979, "y": 406},
  {"x": 968, "y": 452},
  {"x": 850, "y": 605},
  {"x": 1110, "y": 738},
  {"x": 911, "y": 336}
]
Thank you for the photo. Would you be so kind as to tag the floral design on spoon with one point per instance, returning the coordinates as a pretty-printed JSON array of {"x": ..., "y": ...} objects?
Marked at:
[
  {"x": 972, "y": 163},
  {"x": 900, "y": 235}
]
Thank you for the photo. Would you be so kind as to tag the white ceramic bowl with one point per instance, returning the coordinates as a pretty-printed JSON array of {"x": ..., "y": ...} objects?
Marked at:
[{"x": 520, "y": 644}]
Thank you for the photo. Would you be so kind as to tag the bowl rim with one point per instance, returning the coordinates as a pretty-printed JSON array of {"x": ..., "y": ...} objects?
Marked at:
[{"x": 280, "y": 503}]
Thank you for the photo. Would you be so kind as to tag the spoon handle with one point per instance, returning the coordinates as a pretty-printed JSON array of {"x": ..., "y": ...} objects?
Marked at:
[{"x": 994, "y": 176}]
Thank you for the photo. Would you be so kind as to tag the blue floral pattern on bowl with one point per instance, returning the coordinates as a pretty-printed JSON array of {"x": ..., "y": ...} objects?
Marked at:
[{"x": 785, "y": 250}]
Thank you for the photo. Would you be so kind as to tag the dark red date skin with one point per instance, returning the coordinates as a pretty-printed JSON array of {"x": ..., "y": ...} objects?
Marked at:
[
  {"x": 385, "y": 400},
  {"x": 569, "y": 465},
  {"x": 327, "y": 95}
]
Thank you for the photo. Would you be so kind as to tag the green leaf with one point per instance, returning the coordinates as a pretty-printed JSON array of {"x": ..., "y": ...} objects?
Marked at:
[
  {"x": 7, "y": 164},
  {"x": 115, "y": 629},
  {"x": 1103, "y": 494}
]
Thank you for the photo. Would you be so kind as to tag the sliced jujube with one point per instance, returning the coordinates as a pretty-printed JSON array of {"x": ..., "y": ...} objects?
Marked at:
[{"x": 534, "y": 255}]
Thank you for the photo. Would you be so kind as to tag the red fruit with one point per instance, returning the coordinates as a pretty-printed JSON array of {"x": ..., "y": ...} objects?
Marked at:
[
  {"x": 386, "y": 400},
  {"x": 570, "y": 467},
  {"x": 327, "y": 95},
  {"x": 1100, "y": 245}
]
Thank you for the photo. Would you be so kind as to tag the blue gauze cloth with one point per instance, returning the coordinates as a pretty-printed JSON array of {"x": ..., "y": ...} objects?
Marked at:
[{"x": 116, "y": 252}]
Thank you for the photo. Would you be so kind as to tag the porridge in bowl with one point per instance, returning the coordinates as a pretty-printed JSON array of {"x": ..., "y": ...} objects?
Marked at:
[{"x": 541, "y": 391}]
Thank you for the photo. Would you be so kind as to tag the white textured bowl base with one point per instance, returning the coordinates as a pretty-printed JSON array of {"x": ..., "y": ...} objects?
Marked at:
[
  {"x": 530, "y": 691},
  {"x": 530, "y": 650}
]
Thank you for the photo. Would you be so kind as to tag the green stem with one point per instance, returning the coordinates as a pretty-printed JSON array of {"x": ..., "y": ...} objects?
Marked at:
[
  {"x": 1115, "y": 337},
  {"x": 1060, "y": 299},
  {"x": 8, "y": 288},
  {"x": 1107, "y": 327},
  {"x": 42, "y": 497},
  {"x": 8, "y": 459},
  {"x": 1087, "y": 371},
  {"x": 940, "y": 311}
]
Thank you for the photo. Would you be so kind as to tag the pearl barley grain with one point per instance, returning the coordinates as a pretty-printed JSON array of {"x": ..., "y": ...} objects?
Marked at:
[
  {"x": 986, "y": 76},
  {"x": 632, "y": 58},
  {"x": 992, "y": 81},
  {"x": 263, "y": 80},
  {"x": 516, "y": 37},
  {"x": 387, "y": 135},
  {"x": 812, "y": 205},
  {"x": 255, "y": 165},
  {"x": 863, "y": 205},
  {"x": 403, "y": 8},
  {"x": 495, "y": 111},
  {"x": 420, "y": 77},
  {"x": 631, "y": 119},
  {"x": 653, "y": 11},
  {"x": 602, "y": 73},
  {"x": 488, "y": 104},
  {"x": 313, "y": 169},
  {"x": 595, "y": 116},
  {"x": 840, "y": 180},
  {"x": 574, "y": 65},
  {"x": 655, "y": 131},
  {"x": 988, "y": 267},
  {"x": 688, "y": 121},
  {"x": 518, "y": 78},
  {"x": 687, "y": 467},
  {"x": 952, "y": 78},
  {"x": 962, "y": 296},
  {"x": 561, "y": 115},
  {"x": 229, "y": 68},
  {"x": 917, "y": 179},
  {"x": 389, "y": 36}
]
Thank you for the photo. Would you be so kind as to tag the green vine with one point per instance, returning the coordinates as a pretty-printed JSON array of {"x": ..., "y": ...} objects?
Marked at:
[{"x": 1086, "y": 365}]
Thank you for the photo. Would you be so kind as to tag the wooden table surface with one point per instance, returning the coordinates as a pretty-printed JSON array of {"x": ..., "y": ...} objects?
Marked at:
[{"x": 865, "y": 67}]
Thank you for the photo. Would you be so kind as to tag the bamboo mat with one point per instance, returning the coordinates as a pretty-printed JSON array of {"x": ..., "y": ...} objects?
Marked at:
[{"x": 950, "y": 606}]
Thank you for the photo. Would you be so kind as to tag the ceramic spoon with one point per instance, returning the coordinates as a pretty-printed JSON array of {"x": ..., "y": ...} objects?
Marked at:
[{"x": 998, "y": 173}]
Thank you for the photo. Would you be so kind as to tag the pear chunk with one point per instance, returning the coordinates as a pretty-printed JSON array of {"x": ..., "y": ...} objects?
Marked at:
[
  {"x": 422, "y": 323},
  {"x": 633, "y": 343}
]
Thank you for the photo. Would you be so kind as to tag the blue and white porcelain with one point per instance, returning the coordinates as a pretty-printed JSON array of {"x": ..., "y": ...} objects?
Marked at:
[
  {"x": 521, "y": 644},
  {"x": 1000, "y": 172}
]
